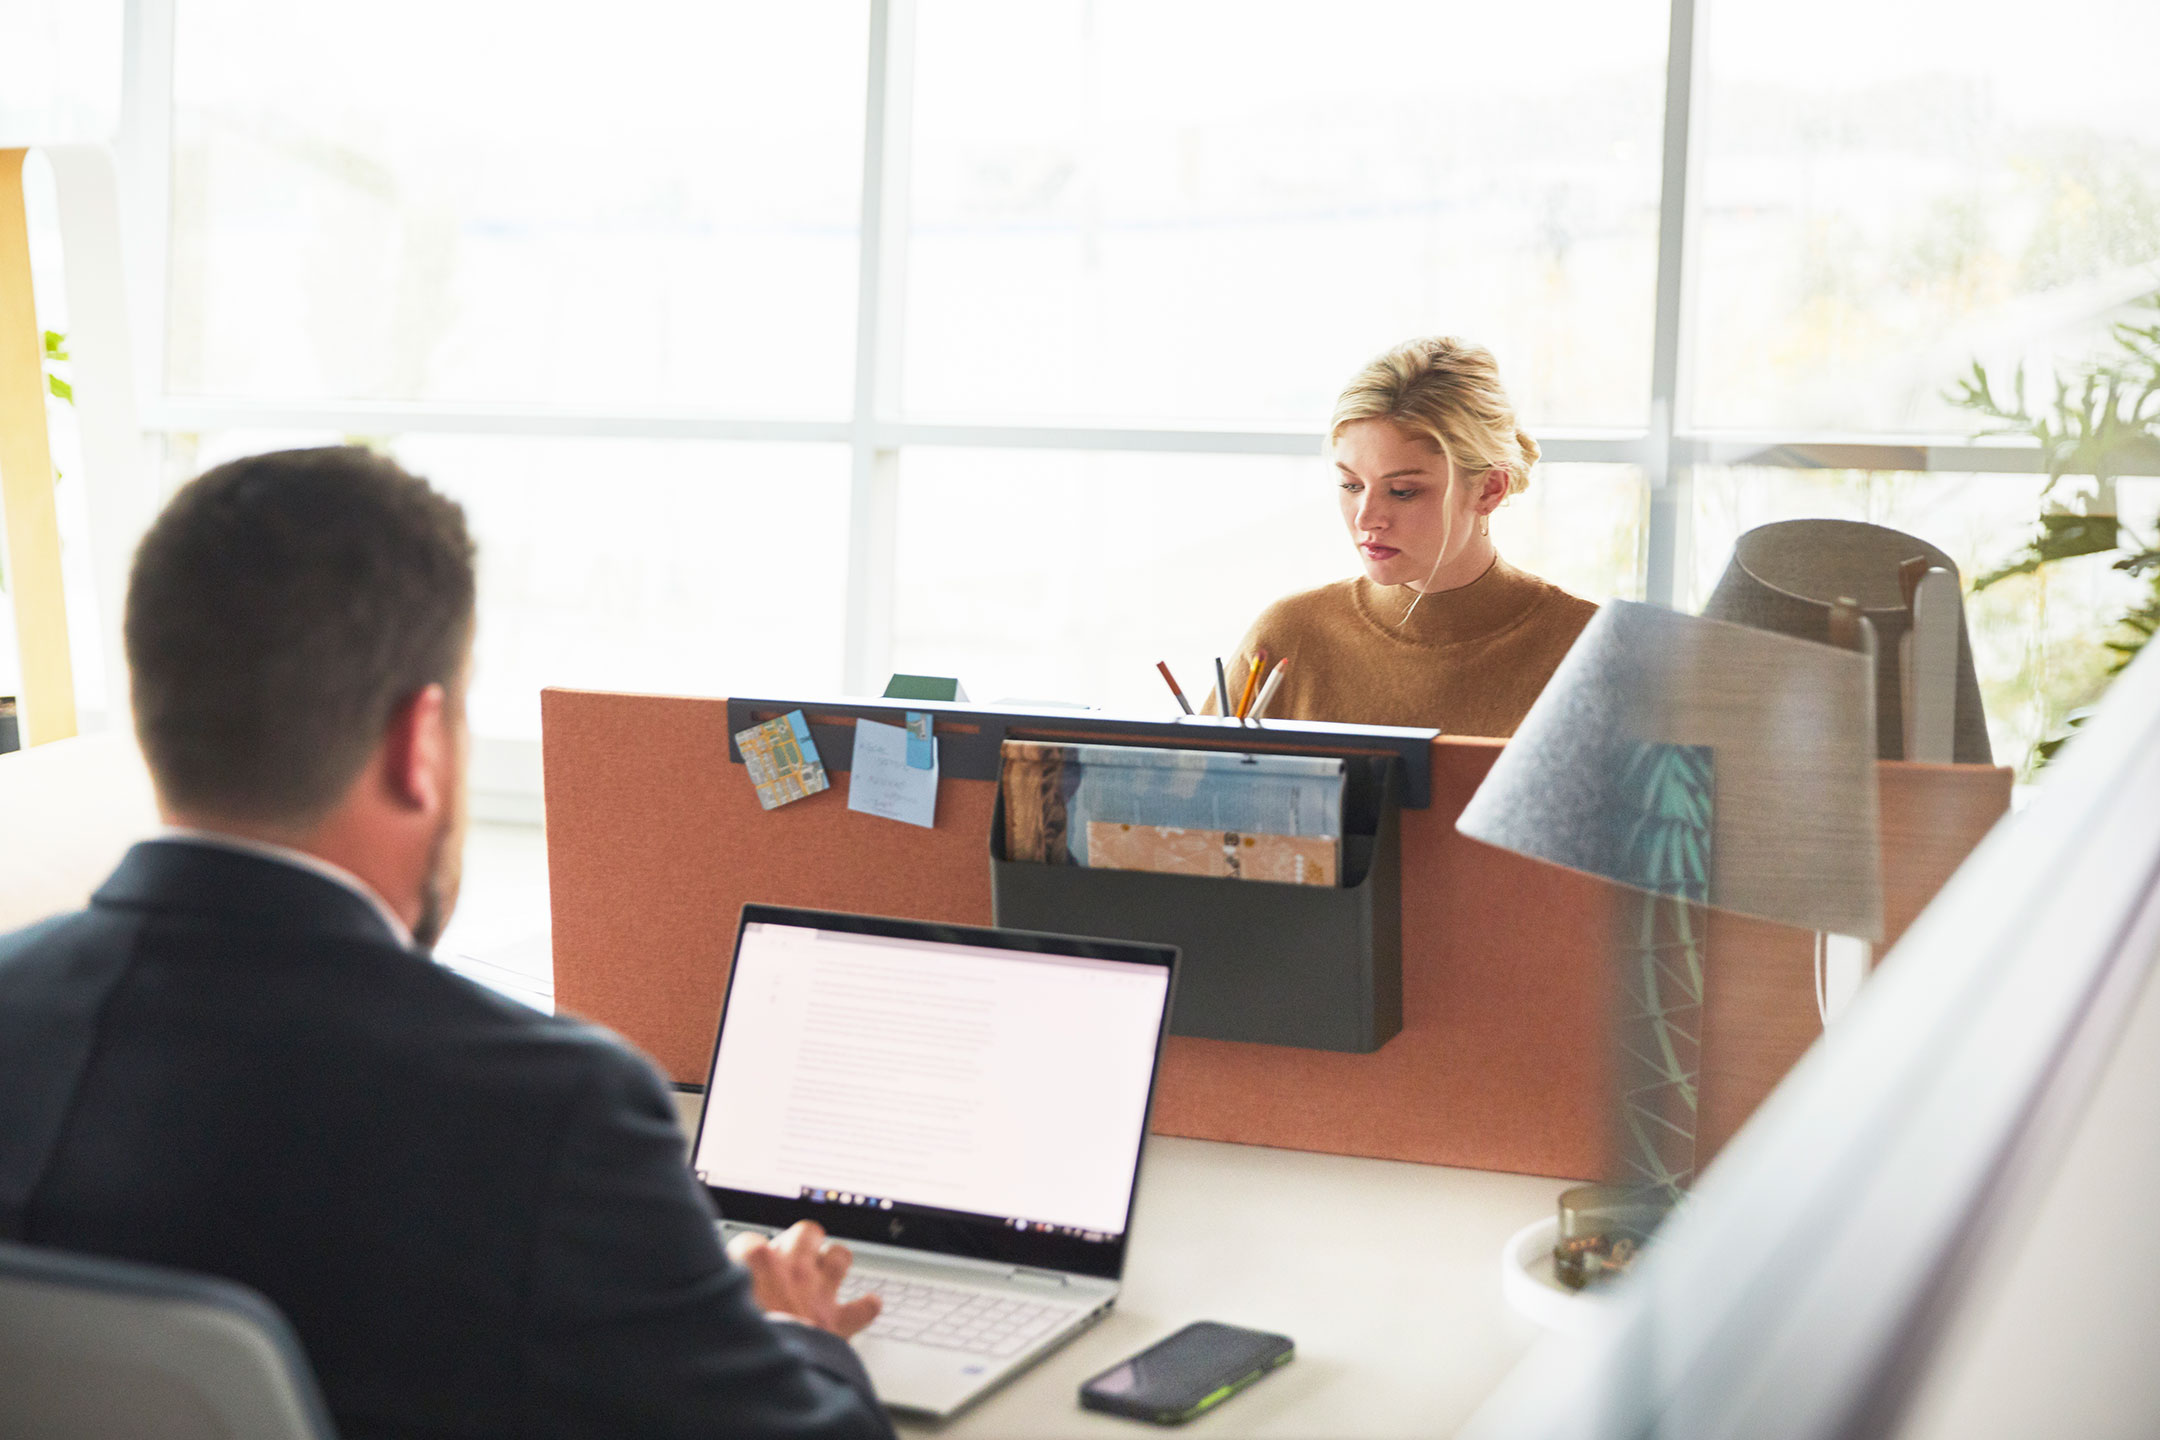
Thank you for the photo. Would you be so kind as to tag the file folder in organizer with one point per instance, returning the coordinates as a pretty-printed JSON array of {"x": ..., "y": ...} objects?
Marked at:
[{"x": 1056, "y": 793}]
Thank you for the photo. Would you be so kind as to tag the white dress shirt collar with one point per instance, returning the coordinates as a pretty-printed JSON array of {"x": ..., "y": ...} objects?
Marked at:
[{"x": 313, "y": 864}]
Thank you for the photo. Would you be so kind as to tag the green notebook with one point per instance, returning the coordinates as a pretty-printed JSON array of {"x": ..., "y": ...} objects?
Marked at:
[{"x": 924, "y": 687}]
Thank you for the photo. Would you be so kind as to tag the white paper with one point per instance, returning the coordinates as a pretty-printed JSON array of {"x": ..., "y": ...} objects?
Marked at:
[{"x": 880, "y": 781}]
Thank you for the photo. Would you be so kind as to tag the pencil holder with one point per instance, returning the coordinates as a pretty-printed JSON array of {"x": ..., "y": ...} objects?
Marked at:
[{"x": 1279, "y": 964}]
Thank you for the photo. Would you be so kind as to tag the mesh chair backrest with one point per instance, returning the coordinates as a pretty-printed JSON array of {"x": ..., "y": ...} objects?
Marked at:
[{"x": 99, "y": 1348}]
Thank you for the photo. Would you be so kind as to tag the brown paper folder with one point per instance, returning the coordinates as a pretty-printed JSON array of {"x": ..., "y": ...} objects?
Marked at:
[{"x": 656, "y": 841}]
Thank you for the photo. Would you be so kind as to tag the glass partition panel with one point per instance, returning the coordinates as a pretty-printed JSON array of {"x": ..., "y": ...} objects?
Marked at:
[
  {"x": 1890, "y": 192},
  {"x": 641, "y": 205},
  {"x": 1066, "y": 576},
  {"x": 2039, "y": 641},
  {"x": 1214, "y": 212},
  {"x": 656, "y": 565}
]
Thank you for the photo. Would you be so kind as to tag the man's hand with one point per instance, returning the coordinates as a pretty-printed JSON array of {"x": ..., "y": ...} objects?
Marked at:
[{"x": 798, "y": 1276}]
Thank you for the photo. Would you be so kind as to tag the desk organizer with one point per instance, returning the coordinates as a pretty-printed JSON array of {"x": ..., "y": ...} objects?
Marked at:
[
  {"x": 971, "y": 738},
  {"x": 1317, "y": 966},
  {"x": 1314, "y": 966}
]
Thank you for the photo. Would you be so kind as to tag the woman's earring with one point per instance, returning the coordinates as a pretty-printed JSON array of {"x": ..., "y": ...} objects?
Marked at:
[{"x": 1484, "y": 525}]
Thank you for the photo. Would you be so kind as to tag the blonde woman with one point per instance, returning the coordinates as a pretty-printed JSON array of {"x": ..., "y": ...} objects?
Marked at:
[{"x": 1439, "y": 630}]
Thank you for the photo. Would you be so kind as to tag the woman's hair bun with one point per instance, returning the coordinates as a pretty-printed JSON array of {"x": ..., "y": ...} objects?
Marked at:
[{"x": 1530, "y": 451}]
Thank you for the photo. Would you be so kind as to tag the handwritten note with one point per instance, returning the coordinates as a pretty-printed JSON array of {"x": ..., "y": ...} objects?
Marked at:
[{"x": 882, "y": 782}]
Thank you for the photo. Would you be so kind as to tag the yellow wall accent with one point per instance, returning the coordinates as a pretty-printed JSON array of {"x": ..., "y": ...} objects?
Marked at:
[{"x": 26, "y": 483}]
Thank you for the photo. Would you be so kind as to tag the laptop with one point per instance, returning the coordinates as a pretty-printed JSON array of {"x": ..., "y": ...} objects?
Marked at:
[{"x": 965, "y": 1107}]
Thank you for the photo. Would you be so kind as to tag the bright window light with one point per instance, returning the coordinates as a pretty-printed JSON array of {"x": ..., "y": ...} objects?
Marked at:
[
  {"x": 603, "y": 275},
  {"x": 650, "y": 207},
  {"x": 645, "y": 565},
  {"x": 1982, "y": 182},
  {"x": 1215, "y": 212}
]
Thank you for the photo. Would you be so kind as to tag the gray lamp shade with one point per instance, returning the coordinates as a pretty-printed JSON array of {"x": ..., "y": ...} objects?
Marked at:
[
  {"x": 1786, "y": 576},
  {"x": 1790, "y": 726}
]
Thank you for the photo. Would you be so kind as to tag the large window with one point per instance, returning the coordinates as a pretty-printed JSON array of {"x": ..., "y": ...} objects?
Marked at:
[
  {"x": 59, "y": 70},
  {"x": 1891, "y": 191},
  {"x": 653, "y": 565},
  {"x": 533, "y": 204},
  {"x": 1214, "y": 212},
  {"x": 781, "y": 347}
]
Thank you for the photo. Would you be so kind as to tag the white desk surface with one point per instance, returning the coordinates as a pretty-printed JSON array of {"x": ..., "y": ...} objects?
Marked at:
[{"x": 1387, "y": 1275}]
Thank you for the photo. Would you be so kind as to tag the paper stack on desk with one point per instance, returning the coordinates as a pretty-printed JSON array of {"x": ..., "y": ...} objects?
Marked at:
[{"x": 1182, "y": 812}]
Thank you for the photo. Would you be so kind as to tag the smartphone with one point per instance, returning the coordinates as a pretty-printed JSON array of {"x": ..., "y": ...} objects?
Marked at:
[{"x": 1194, "y": 1370}]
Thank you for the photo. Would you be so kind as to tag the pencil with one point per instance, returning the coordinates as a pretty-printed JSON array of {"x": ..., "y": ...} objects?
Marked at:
[
  {"x": 1171, "y": 681},
  {"x": 1267, "y": 691},
  {"x": 1252, "y": 683},
  {"x": 1222, "y": 690}
]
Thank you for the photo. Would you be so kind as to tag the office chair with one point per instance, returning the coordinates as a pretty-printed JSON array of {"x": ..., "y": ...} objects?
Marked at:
[{"x": 101, "y": 1348}]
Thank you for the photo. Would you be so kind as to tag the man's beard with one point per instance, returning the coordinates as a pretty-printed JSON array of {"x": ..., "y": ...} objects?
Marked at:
[{"x": 438, "y": 890}]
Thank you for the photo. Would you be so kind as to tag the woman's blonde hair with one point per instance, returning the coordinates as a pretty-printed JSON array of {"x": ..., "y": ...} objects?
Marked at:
[{"x": 1447, "y": 391}]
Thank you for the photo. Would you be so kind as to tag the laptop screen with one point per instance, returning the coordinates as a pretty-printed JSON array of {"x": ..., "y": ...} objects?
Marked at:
[{"x": 974, "y": 1092}]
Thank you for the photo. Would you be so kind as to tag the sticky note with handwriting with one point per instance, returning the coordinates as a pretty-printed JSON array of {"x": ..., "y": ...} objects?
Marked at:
[{"x": 882, "y": 782}]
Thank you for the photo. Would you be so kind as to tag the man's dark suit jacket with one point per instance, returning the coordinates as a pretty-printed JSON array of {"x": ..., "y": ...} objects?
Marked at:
[{"x": 477, "y": 1217}]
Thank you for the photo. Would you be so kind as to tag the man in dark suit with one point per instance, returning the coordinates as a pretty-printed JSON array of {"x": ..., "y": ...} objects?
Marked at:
[{"x": 241, "y": 1060}]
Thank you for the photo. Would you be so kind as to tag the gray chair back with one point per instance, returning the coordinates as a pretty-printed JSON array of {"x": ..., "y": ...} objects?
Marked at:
[{"x": 101, "y": 1348}]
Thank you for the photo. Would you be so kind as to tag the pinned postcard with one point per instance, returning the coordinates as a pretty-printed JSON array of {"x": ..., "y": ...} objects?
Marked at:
[
  {"x": 782, "y": 760},
  {"x": 882, "y": 780}
]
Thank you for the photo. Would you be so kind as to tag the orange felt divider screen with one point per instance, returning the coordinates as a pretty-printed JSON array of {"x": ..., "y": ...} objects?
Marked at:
[
  {"x": 656, "y": 840},
  {"x": 1759, "y": 979}
]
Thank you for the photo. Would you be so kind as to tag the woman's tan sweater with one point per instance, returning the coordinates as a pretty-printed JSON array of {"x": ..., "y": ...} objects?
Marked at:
[{"x": 1467, "y": 661}]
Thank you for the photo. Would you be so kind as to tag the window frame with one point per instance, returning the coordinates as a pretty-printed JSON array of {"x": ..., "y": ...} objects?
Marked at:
[{"x": 1667, "y": 449}]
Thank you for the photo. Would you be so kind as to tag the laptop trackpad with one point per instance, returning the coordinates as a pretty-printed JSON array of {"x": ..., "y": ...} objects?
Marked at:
[{"x": 935, "y": 1381}]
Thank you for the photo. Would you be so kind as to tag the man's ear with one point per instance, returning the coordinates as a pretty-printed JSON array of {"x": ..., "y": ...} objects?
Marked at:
[{"x": 415, "y": 747}]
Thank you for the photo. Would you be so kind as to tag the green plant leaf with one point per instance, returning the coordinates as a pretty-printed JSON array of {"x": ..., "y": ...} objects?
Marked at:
[
  {"x": 60, "y": 388},
  {"x": 2138, "y": 562}
]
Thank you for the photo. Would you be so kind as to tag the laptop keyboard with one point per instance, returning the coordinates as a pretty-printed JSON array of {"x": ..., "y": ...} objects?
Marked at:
[{"x": 978, "y": 1322}]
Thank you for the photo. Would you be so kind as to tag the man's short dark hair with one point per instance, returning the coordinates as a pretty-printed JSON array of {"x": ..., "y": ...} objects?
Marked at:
[{"x": 279, "y": 611}]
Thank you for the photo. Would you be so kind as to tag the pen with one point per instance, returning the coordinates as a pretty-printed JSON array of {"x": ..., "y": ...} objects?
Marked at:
[
  {"x": 1267, "y": 691},
  {"x": 1252, "y": 683},
  {"x": 1222, "y": 691},
  {"x": 1171, "y": 681}
]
